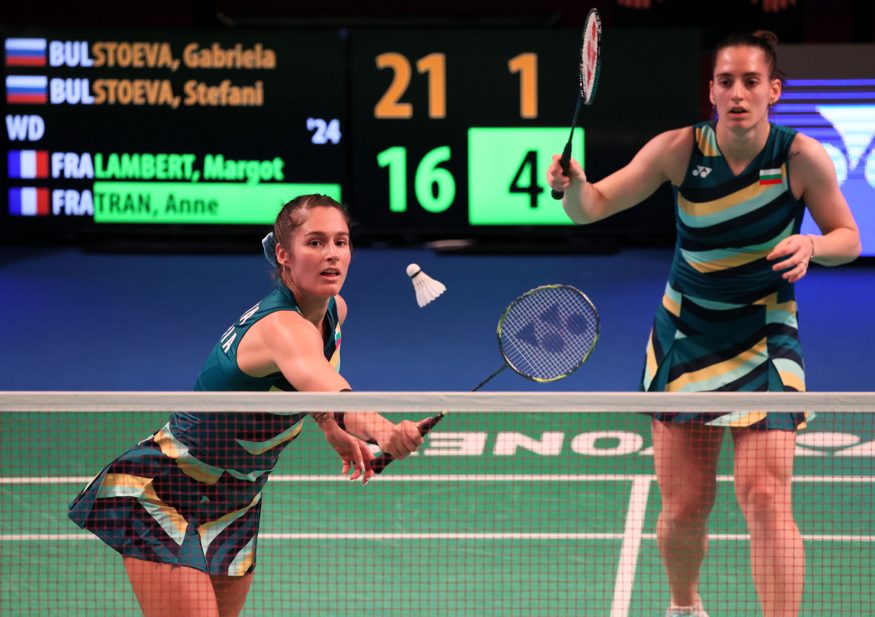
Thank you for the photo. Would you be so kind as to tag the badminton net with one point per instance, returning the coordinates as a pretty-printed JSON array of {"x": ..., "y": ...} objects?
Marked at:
[{"x": 517, "y": 504}]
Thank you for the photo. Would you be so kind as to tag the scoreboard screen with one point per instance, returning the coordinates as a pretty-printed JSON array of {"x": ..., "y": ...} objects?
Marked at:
[
  {"x": 453, "y": 130},
  {"x": 462, "y": 134},
  {"x": 167, "y": 128},
  {"x": 426, "y": 132}
]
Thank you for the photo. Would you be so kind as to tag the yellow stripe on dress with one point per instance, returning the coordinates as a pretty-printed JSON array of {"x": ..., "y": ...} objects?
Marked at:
[
  {"x": 171, "y": 521},
  {"x": 126, "y": 485},
  {"x": 779, "y": 312},
  {"x": 671, "y": 300},
  {"x": 650, "y": 364},
  {"x": 724, "y": 259},
  {"x": 122, "y": 485},
  {"x": 769, "y": 300},
  {"x": 743, "y": 419},
  {"x": 715, "y": 375},
  {"x": 335, "y": 357},
  {"x": 700, "y": 263},
  {"x": 210, "y": 530},
  {"x": 739, "y": 419},
  {"x": 260, "y": 447},
  {"x": 189, "y": 465},
  {"x": 243, "y": 561},
  {"x": 707, "y": 141},
  {"x": 742, "y": 201},
  {"x": 791, "y": 373}
]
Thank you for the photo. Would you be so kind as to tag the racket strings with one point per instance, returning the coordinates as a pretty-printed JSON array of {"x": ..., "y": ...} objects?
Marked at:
[
  {"x": 548, "y": 333},
  {"x": 589, "y": 60}
]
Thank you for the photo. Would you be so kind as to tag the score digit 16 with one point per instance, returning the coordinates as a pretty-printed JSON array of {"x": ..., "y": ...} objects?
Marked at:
[{"x": 433, "y": 186}]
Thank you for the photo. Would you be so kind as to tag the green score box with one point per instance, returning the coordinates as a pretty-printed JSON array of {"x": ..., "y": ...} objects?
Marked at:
[
  {"x": 507, "y": 175},
  {"x": 222, "y": 203}
]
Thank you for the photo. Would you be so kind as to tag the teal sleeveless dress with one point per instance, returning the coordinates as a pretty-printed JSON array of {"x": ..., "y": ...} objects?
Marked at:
[
  {"x": 727, "y": 321},
  {"x": 191, "y": 493}
]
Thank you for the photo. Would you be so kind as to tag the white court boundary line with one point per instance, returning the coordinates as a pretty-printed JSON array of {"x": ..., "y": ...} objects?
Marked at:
[{"x": 632, "y": 536}]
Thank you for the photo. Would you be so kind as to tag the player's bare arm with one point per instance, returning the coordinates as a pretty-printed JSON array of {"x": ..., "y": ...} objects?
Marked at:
[
  {"x": 662, "y": 159},
  {"x": 813, "y": 175},
  {"x": 291, "y": 344},
  {"x": 284, "y": 341}
]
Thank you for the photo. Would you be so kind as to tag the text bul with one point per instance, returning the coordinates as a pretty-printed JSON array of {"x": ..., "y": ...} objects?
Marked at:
[
  {"x": 70, "y": 53},
  {"x": 71, "y": 91}
]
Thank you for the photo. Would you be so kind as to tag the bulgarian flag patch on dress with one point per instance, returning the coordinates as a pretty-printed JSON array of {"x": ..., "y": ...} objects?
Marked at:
[{"x": 770, "y": 176}]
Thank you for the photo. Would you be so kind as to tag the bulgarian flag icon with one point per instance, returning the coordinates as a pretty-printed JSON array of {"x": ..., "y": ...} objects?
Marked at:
[{"x": 770, "y": 176}]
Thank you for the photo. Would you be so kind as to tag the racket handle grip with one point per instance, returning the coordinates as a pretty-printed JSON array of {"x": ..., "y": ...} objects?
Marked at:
[
  {"x": 381, "y": 462},
  {"x": 565, "y": 164}
]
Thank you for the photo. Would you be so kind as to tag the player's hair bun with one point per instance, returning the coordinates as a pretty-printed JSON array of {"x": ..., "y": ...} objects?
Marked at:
[{"x": 769, "y": 38}]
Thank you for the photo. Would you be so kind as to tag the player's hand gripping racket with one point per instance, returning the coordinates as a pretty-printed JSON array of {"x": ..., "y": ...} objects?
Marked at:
[
  {"x": 590, "y": 64},
  {"x": 544, "y": 335}
]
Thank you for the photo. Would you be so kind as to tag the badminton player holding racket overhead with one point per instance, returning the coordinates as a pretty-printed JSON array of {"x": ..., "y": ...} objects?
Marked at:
[
  {"x": 183, "y": 507},
  {"x": 727, "y": 320}
]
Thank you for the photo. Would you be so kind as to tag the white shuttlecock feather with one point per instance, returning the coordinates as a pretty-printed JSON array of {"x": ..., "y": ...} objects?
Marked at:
[{"x": 427, "y": 289}]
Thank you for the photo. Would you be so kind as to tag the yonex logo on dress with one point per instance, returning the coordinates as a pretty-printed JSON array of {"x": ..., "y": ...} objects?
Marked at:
[{"x": 701, "y": 171}]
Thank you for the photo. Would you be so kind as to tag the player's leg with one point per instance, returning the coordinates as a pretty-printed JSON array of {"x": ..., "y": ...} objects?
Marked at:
[
  {"x": 231, "y": 592},
  {"x": 763, "y": 478},
  {"x": 685, "y": 459},
  {"x": 165, "y": 590}
]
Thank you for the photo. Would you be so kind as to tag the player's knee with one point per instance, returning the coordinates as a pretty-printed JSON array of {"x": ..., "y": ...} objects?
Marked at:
[
  {"x": 764, "y": 502},
  {"x": 687, "y": 514}
]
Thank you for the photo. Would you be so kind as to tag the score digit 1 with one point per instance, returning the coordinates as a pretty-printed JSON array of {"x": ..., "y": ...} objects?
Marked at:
[{"x": 434, "y": 187}]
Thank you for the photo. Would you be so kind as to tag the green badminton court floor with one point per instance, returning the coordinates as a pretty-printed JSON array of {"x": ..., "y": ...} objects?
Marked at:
[{"x": 500, "y": 515}]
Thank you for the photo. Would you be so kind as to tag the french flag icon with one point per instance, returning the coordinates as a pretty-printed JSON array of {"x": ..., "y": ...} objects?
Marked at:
[
  {"x": 25, "y": 52},
  {"x": 29, "y": 201},
  {"x": 28, "y": 164},
  {"x": 27, "y": 89}
]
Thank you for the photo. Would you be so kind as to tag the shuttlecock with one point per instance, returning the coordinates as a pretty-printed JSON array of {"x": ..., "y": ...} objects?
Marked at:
[{"x": 427, "y": 289}]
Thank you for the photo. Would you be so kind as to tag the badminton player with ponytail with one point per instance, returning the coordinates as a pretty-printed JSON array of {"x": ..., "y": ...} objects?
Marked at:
[
  {"x": 183, "y": 507},
  {"x": 727, "y": 320}
]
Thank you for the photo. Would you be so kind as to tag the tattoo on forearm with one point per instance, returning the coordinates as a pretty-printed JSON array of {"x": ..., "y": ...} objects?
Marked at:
[{"x": 322, "y": 417}]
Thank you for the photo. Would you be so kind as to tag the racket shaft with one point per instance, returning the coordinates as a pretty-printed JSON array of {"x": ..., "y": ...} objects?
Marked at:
[
  {"x": 380, "y": 463},
  {"x": 565, "y": 160},
  {"x": 488, "y": 379}
]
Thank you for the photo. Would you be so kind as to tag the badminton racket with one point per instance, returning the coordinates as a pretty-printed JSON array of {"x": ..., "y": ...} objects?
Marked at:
[
  {"x": 544, "y": 335},
  {"x": 590, "y": 65}
]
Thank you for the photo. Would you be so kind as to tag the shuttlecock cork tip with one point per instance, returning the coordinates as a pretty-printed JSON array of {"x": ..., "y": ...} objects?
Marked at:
[{"x": 427, "y": 289}]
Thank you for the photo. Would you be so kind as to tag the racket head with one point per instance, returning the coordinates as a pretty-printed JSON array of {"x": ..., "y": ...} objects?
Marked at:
[
  {"x": 548, "y": 332},
  {"x": 590, "y": 56}
]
